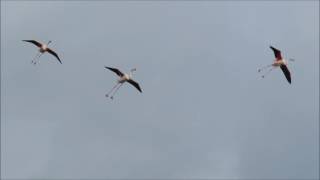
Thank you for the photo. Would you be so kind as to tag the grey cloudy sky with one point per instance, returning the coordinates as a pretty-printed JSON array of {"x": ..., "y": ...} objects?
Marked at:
[{"x": 204, "y": 112}]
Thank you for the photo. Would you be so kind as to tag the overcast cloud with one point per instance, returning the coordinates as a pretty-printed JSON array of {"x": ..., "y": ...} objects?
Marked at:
[{"x": 205, "y": 112}]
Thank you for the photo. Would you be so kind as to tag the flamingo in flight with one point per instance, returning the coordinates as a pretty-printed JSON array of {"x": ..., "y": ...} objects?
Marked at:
[
  {"x": 123, "y": 77},
  {"x": 278, "y": 62},
  {"x": 42, "y": 49}
]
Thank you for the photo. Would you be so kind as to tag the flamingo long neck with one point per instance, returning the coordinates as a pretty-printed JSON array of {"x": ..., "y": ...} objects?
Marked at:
[{"x": 131, "y": 72}]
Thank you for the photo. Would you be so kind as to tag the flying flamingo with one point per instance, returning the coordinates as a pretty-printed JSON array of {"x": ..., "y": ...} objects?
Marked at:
[
  {"x": 278, "y": 62},
  {"x": 42, "y": 49},
  {"x": 123, "y": 78}
]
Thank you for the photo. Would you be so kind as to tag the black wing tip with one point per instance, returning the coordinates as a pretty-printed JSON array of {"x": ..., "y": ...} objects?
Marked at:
[
  {"x": 108, "y": 67},
  {"x": 59, "y": 60},
  {"x": 286, "y": 72},
  {"x": 273, "y": 48},
  {"x": 139, "y": 88}
]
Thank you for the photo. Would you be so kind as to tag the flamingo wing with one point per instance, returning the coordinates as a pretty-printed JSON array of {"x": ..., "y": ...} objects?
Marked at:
[
  {"x": 277, "y": 53},
  {"x": 54, "y": 54},
  {"x": 135, "y": 84},
  {"x": 33, "y": 42},
  {"x": 117, "y": 71},
  {"x": 286, "y": 72}
]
